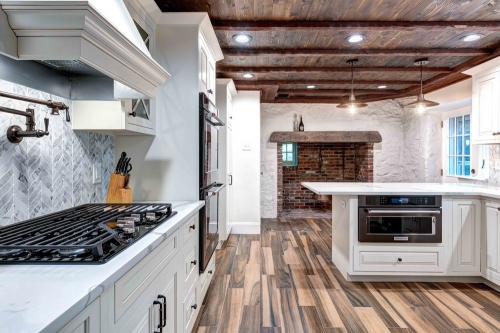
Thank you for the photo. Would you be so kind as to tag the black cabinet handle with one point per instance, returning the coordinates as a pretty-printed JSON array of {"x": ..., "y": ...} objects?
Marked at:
[
  {"x": 210, "y": 91},
  {"x": 399, "y": 259},
  {"x": 194, "y": 262},
  {"x": 498, "y": 209},
  {"x": 161, "y": 316},
  {"x": 195, "y": 306},
  {"x": 192, "y": 226},
  {"x": 164, "y": 309},
  {"x": 210, "y": 272},
  {"x": 133, "y": 114}
]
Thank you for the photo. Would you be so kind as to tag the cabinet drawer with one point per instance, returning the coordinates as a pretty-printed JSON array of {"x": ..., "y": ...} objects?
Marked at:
[
  {"x": 190, "y": 229},
  {"x": 414, "y": 259},
  {"x": 135, "y": 281},
  {"x": 190, "y": 309},
  {"x": 191, "y": 264},
  {"x": 205, "y": 279}
]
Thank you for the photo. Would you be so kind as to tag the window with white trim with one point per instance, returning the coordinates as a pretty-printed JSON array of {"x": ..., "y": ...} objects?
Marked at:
[{"x": 460, "y": 157}]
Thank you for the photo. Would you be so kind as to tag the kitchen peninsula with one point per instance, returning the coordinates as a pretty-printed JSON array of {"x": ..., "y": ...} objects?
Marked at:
[{"x": 470, "y": 232}]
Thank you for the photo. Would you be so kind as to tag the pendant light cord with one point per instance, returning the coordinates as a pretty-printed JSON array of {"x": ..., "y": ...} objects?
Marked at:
[
  {"x": 421, "y": 80},
  {"x": 352, "y": 78}
]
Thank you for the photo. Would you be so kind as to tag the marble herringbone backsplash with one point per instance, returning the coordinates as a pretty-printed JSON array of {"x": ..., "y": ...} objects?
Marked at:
[{"x": 42, "y": 175}]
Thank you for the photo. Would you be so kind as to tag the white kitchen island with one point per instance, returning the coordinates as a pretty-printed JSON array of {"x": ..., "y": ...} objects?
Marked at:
[{"x": 470, "y": 228}]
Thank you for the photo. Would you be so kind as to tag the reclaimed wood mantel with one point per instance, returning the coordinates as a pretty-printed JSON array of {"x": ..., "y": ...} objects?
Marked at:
[{"x": 327, "y": 137}]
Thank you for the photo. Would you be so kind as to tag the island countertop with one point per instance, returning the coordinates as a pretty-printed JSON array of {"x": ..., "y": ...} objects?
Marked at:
[
  {"x": 451, "y": 189},
  {"x": 43, "y": 298}
]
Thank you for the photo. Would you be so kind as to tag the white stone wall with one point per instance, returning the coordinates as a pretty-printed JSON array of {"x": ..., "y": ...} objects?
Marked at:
[{"x": 406, "y": 139}]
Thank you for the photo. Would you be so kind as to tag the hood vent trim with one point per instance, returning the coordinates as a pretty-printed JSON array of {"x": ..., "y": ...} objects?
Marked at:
[{"x": 77, "y": 31}]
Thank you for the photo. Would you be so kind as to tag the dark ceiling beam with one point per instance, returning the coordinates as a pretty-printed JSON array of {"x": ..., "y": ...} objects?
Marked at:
[
  {"x": 328, "y": 82},
  {"x": 355, "y": 26},
  {"x": 337, "y": 91},
  {"x": 449, "y": 52},
  {"x": 238, "y": 69},
  {"x": 178, "y": 5}
]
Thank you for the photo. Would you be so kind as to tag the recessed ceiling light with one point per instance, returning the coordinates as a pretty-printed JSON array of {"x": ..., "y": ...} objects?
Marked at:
[
  {"x": 311, "y": 87},
  {"x": 242, "y": 38},
  {"x": 382, "y": 87},
  {"x": 471, "y": 37},
  {"x": 248, "y": 75},
  {"x": 355, "y": 38}
]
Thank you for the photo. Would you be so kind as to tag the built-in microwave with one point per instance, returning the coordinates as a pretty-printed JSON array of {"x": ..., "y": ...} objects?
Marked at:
[{"x": 400, "y": 219}]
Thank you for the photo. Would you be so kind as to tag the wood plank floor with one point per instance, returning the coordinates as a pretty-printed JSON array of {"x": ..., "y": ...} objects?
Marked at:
[{"x": 283, "y": 281}]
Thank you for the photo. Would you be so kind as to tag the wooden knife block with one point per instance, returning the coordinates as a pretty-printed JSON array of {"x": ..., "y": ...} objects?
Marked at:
[{"x": 117, "y": 193}]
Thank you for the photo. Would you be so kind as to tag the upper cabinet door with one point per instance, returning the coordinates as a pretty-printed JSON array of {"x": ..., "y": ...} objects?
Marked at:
[
  {"x": 486, "y": 105},
  {"x": 206, "y": 70}
]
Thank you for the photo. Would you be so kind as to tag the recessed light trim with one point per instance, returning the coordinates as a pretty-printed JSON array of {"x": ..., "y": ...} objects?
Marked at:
[
  {"x": 311, "y": 86},
  {"x": 356, "y": 38},
  {"x": 248, "y": 75},
  {"x": 242, "y": 38},
  {"x": 471, "y": 37},
  {"x": 382, "y": 87}
]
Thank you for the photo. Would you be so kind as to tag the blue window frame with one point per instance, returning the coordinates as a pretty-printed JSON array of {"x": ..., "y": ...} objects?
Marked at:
[
  {"x": 290, "y": 154},
  {"x": 459, "y": 146}
]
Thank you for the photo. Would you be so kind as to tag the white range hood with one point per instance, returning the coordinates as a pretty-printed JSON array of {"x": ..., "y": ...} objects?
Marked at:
[{"x": 97, "y": 33}]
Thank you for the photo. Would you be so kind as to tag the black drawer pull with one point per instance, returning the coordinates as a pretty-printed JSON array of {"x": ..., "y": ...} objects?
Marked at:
[
  {"x": 164, "y": 309},
  {"x": 192, "y": 226},
  {"x": 399, "y": 259},
  {"x": 133, "y": 114},
  {"x": 161, "y": 316},
  {"x": 194, "y": 262},
  {"x": 210, "y": 272},
  {"x": 195, "y": 306}
]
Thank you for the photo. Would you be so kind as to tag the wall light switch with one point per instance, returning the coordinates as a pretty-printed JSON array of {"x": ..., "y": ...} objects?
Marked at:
[
  {"x": 247, "y": 146},
  {"x": 96, "y": 172}
]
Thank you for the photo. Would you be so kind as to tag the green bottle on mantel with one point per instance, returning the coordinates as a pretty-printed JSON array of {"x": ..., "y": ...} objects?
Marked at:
[{"x": 301, "y": 125}]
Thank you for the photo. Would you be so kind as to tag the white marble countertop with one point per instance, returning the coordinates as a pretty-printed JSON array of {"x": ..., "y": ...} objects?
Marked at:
[
  {"x": 43, "y": 298},
  {"x": 455, "y": 189}
]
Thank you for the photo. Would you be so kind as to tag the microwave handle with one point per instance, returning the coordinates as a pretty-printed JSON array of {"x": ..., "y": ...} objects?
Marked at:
[{"x": 388, "y": 211}]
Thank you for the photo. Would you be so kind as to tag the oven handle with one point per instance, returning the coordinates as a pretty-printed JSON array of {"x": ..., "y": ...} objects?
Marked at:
[
  {"x": 415, "y": 211},
  {"x": 213, "y": 115},
  {"x": 211, "y": 193}
]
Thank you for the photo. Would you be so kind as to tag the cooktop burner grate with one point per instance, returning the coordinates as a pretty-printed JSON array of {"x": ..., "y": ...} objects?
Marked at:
[{"x": 83, "y": 234}]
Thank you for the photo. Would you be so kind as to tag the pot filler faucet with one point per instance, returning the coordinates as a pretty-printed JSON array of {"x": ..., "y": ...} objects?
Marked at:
[{"x": 15, "y": 134}]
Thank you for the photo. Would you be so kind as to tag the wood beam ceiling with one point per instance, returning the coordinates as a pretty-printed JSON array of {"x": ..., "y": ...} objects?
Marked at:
[
  {"x": 325, "y": 82},
  {"x": 345, "y": 69},
  {"x": 337, "y": 91},
  {"x": 449, "y": 52},
  {"x": 357, "y": 26}
]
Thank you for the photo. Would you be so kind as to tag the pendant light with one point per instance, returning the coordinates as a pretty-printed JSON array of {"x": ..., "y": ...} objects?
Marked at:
[
  {"x": 351, "y": 104},
  {"x": 421, "y": 104}
]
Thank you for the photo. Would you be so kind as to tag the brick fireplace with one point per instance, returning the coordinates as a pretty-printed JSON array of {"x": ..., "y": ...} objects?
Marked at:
[{"x": 319, "y": 161}]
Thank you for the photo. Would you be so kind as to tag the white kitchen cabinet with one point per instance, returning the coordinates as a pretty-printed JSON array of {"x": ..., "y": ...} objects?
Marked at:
[
  {"x": 226, "y": 90},
  {"x": 113, "y": 117},
  {"x": 485, "y": 121},
  {"x": 492, "y": 269},
  {"x": 466, "y": 231},
  {"x": 207, "y": 69},
  {"x": 88, "y": 321}
]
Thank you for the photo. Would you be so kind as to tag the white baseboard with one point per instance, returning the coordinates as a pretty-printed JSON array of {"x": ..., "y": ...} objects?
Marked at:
[{"x": 246, "y": 228}]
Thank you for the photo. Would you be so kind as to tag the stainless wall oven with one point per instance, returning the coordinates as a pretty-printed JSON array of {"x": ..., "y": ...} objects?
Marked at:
[
  {"x": 403, "y": 219},
  {"x": 209, "y": 176}
]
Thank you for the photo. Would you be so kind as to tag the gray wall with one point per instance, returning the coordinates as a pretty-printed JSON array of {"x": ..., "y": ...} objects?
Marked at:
[{"x": 40, "y": 176}]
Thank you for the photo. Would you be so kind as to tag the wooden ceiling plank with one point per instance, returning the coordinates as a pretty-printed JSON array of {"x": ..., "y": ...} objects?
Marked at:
[
  {"x": 355, "y": 25},
  {"x": 239, "y": 69},
  {"x": 245, "y": 52},
  {"x": 338, "y": 91}
]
